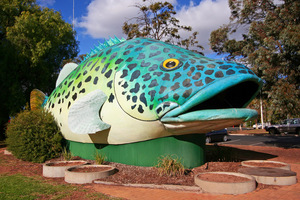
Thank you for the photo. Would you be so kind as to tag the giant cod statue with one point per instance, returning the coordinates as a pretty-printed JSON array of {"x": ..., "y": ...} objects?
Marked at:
[{"x": 141, "y": 97}]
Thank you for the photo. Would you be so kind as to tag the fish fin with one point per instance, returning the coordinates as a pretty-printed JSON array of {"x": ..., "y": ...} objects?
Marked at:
[
  {"x": 37, "y": 99},
  {"x": 84, "y": 115},
  {"x": 66, "y": 70}
]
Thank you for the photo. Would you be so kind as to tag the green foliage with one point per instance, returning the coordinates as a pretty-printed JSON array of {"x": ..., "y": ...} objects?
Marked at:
[
  {"x": 157, "y": 21},
  {"x": 34, "y": 136},
  {"x": 33, "y": 43},
  {"x": 170, "y": 165},
  {"x": 100, "y": 158},
  {"x": 270, "y": 45},
  {"x": 66, "y": 154}
]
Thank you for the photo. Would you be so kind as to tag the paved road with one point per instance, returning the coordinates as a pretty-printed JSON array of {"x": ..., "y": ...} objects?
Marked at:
[{"x": 286, "y": 141}]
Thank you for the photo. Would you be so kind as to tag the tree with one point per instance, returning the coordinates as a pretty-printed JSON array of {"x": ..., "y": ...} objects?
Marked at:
[
  {"x": 33, "y": 44},
  {"x": 270, "y": 45},
  {"x": 157, "y": 21}
]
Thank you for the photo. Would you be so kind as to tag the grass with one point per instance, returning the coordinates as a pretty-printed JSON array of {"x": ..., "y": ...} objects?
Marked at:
[
  {"x": 170, "y": 165},
  {"x": 100, "y": 158},
  {"x": 21, "y": 187}
]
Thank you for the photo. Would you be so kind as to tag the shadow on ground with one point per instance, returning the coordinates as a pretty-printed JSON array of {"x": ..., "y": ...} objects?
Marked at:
[
  {"x": 284, "y": 142},
  {"x": 216, "y": 153}
]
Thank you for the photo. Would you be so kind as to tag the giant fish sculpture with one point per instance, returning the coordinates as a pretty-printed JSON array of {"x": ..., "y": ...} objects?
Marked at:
[{"x": 142, "y": 89}]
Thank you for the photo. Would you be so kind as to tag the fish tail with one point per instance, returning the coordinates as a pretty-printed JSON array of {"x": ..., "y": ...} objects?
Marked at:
[{"x": 37, "y": 99}]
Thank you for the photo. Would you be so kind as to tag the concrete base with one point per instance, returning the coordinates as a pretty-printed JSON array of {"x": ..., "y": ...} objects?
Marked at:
[
  {"x": 227, "y": 188},
  {"x": 52, "y": 171},
  {"x": 271, "y": 176},
  {"x": 87, "y": 177},
  {"x": 6, "y": 152},
  {"x": 247, "y": 163}
]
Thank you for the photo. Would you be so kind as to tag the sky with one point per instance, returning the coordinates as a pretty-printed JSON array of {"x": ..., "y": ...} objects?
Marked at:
[{"x": 95, "y": 20}]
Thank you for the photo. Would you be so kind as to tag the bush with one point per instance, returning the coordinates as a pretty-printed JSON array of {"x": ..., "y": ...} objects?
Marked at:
[
  {"x": 34, "y": 136},
  {"x": 170, "y": 165},
  {"x": 100, "y": 158}
]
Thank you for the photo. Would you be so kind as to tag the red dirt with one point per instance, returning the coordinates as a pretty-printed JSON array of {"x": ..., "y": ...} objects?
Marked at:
[{"x": 224, "y": 178}]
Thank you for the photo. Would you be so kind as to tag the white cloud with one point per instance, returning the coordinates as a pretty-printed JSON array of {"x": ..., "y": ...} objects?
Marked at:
[
  {"x": 46, "y": 3},
  {"x": 106, "y": 17},
  {"x": 205, "y": 17}
]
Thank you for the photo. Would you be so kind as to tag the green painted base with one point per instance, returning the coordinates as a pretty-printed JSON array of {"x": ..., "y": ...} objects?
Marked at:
[{"x": 189, "y": 148}]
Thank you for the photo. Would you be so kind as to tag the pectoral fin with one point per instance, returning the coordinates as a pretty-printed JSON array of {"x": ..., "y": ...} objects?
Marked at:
[{"x": 84, "y": 115}]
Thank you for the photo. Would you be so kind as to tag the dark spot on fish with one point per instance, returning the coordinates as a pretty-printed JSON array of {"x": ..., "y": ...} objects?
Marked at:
[
  {"x": 60, "y": 112},
  {"x": 162, "y": 89},
  {"x": 73, "y": 88},
  {"x": 192, "y": 69},
  {"x": 113, "y": 56},
  {"x": 141, "y": 56},
  {"x": 225, "y": 66},
  {"x": 211, "y": 65},
  {"x": 100, "y": 54},
  {"x": 200, "y": 67},
  {"x": 186, "y": 65},
  {"x": 177, "y": 75},
  {"x": 94, "y": 65},
  {"x": 67, "y": 96},
  {"x": 82, "y": 91},
  {"x": 193, "y": 61},
  {"x": 84, "y": 73},
  {"x": 199, "y": 83},
  {"x": 158, "y": 110},
  {"x": 158, "y": 73},
  {"x": 146, "y": 43},
  {"x": 104, "y": 68},
  {"x": 154, "y": 54},
  {"x": 145, "y": 64},
  {"x": 103, "y": 60},
  {"x": 88, "y": 79},
  {"x": 109, "y": 84},
  {"x": 119, "y": 61},
  {"x": 78, "y": 75},
  {"x": 125, "y": 73},
  {"x": 146, "y": 77},
  {"x": 129, "y": 46},
  {"x": 196, "y": 76},
  {"x": 108, "y": 52},
  {"x": 166, "y": 50},
  {"x": 131, "y": 66},
  {"x": 152, "y": 94},
  {"x": 187, "y": 83},
  {"x": 132, "y": 107},
  {"x": 143, "y": 99},
  {"x": 70, "y": 84},
  {"x": 127, "y": 97},
  {"x": 69, "y": 104},
  {"x": 126, "y": 53},
  {"x": 151, "y": 106},
  {"x": 176, "y": 96},
  {"x": 129, "y": 59},
  {"x": 108, "y": 74},
  {"x": 135, "y": 75},
  {"x": 153, "y": 67},
  {"x": 52, "y": 105},
  {"x": 152, "y": 47},
  {"x": 171, "y": 55},
  {"x": 203, "y": 61},
  {"x": 187, "y": 93},
  {"x": 243, "y": 71},
  {"x": 135, "y": 89},
  {"x": 134, "y": 99},
  {"x": 175, "y": 86},
  {"x": 166, "y": 77},
  {"x": 208, "y": 80},
  {"x": 230, "y": 72},
  {"x": 140, "y": 109},
  {"x": 74, "y": 97},
  {"x": 163, "y": 98},
  {"x": 219, "y": 74},
  {"x": 124, "y": 92},
  {"x": 153, "y": 83},
  {"x": 138, "y": 49},
  {"x": 97, "y": 68},
  {"x": 111, "y": 98},
  {"x": 95, "y": 80}
]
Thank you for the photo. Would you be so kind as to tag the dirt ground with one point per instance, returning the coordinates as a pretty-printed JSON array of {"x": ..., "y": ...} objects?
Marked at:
[{"x": 149, "y": 175}]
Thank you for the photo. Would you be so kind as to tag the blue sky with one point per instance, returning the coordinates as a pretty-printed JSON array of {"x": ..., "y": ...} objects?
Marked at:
[{"x": 99, "y": 19}]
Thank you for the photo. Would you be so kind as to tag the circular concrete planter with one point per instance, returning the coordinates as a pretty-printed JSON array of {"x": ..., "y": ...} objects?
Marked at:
[
  {"x": 72, "y": 176},
  {"x": 57, "y": 169},
  {"x": 226, "y": 187},
  {"x": 266, "y": 163},
  {"x": 271, "y": 176}
]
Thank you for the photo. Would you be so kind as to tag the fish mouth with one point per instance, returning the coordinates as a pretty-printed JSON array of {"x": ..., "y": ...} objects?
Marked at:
[{"x": 218, "y": 105}]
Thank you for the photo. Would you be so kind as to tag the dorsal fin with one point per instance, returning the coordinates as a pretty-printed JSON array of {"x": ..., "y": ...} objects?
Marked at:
[
  {"x": 66, "y": 70},
  {"x": 105, "y": 44},
  {"x": 37, "y": 98}
]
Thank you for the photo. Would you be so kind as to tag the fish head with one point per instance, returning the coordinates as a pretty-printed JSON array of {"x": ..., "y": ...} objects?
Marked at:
[{"x": 161, "y": 81}]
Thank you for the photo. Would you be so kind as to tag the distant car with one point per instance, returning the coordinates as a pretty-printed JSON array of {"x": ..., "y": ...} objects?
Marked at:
[
  {"x": 214, "y": 136},
  {"x": 259, "y": 126},
  {"x": 287, "y": 126}
]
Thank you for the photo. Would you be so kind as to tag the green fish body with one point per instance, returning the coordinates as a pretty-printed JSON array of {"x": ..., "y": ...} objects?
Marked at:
[{"x": 142, "y": 89}]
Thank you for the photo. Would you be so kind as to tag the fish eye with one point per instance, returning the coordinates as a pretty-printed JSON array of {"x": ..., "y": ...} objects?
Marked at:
[{"x": 170, "y": 64}]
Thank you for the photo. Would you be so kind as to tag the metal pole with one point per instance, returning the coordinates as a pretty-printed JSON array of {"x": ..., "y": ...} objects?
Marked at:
[{"x": 261, "y": 113}]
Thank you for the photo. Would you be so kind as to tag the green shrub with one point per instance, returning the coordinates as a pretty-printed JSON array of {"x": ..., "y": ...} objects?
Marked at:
[
  {"x": 100, "y": 158},
  {"x": 170, "y": 165},
  {"x": 34, "y": 136},
  {"x": 66, "y": 154}
]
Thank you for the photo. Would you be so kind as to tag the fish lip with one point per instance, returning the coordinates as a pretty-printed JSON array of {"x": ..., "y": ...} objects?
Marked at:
[{"x": 180, "y": 113}]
